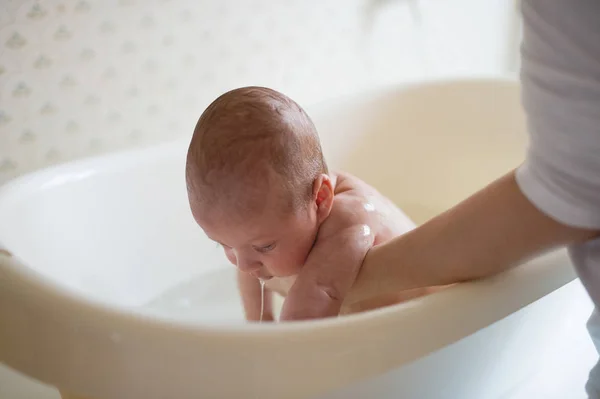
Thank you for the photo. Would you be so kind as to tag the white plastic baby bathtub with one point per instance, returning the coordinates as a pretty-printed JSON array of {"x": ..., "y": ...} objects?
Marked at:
[{"x": 108, "y": 289}]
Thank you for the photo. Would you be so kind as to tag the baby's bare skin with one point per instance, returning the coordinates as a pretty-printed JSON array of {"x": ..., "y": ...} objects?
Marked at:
[
  {"x": 356, "y": 207},
  {"x": 259, "y": 185}
]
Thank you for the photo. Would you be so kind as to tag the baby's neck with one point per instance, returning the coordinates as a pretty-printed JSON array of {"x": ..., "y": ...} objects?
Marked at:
[{"x": 334, "y": 177}]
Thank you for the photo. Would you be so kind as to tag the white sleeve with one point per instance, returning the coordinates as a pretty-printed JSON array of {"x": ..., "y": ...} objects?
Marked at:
[{"x": 560, "y": 77}]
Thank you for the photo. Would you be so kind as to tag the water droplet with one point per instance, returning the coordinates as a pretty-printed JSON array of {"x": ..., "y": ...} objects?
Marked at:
[
  {"x": 2, "y": 69},
  {"x": 366, "y": 230},
  {"x": 262, "y": 299},
  {"x": 16, "y": 41},
  {"x": 168, "y": 41},
  {"x": 369, "y": 207}
]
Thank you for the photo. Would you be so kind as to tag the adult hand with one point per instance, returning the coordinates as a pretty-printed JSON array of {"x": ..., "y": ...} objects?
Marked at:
[{"x": 493, "y": 230}]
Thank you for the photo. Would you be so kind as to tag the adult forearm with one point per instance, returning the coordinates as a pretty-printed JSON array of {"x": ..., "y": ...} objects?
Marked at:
[{"x": 493, "y": 230}]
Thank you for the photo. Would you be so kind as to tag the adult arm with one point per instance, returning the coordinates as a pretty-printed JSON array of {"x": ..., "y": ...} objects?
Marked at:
[
  {"x": 552, "y": 200},
  {"x": 495, "y": 229}
]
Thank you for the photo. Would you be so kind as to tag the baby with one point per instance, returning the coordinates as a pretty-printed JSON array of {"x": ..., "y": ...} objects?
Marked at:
[{"x": 258, "y": 185}]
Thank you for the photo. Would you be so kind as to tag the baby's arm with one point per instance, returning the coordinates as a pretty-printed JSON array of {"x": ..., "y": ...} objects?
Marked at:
[
  {"x": 250, "y": 292},
  {"x": 328, "y": 274}
]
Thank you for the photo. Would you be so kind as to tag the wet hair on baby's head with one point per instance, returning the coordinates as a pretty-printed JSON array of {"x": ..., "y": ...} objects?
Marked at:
[{"x": 251, "y": 137}]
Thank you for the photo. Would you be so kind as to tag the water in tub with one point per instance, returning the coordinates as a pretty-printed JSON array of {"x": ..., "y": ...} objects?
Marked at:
[{"x": 211, "y": 297}]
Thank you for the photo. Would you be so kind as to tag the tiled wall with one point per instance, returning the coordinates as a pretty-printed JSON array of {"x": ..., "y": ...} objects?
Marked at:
[{"x": 80, "y": 77}]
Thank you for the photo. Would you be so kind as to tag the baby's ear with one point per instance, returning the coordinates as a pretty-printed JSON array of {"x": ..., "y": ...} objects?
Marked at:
[{"x": 323, "y": 196}]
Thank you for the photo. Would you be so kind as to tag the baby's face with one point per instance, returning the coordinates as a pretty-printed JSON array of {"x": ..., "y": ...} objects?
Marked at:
[{"x": 265, "y": 244}]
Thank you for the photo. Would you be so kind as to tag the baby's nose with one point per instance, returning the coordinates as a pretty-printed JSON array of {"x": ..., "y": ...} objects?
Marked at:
[{"x": 248, "y": 265}]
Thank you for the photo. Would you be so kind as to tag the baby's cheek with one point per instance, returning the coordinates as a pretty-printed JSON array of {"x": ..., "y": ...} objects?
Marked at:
[
  {"x": 290, "y": 265},
  {"x": 231, "y": 257},
  {"x": 294, "y": 269}
]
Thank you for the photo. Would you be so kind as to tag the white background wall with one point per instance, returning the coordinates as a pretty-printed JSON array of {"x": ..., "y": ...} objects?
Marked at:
[{"x": 80, "y": 77}]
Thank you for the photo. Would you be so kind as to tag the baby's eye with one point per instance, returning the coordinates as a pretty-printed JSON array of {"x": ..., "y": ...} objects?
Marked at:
[{"x": 265, "y": 248}]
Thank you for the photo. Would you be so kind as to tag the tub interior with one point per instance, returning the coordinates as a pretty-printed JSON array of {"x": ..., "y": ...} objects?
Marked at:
[
  {"x": 118, "y": 229},
  {"x": 121, "y": 234}
]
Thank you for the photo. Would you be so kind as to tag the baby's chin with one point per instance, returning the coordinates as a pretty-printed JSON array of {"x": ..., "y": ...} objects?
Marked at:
[
  {"x": 267, "y": 276},
  {"x": 288, "y": 274},
  {"x": 284, "y": 275}
]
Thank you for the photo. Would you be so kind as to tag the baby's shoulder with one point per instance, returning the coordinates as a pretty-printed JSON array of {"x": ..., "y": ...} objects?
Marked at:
[
  {"x": 350, "y": 206},
  {"x": 352, "y": 193},
  {"x": 357, "y": 203},
  {"x": 346, "y": 182}
]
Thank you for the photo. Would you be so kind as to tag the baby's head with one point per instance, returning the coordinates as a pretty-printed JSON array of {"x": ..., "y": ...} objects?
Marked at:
[{"x": 257, "y": 180}]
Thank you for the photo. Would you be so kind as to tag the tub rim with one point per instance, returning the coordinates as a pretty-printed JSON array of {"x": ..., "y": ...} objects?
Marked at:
[
  {"x": 44, "y": 294},
  {"x": 122, "y": 159}
]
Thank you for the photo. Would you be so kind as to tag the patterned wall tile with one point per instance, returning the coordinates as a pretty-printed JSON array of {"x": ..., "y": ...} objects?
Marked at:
[{"x": 81, "y": 77}]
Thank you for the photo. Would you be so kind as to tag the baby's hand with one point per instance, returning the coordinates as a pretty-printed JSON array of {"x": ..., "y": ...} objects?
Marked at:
[{"x": 328, "y": 275}]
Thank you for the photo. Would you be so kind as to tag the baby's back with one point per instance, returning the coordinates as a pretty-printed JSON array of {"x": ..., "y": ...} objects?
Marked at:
[{"x": 355, "y": 197}]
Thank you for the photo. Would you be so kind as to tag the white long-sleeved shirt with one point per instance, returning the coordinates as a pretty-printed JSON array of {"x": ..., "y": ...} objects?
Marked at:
[{"x": 560, "y": 76}]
